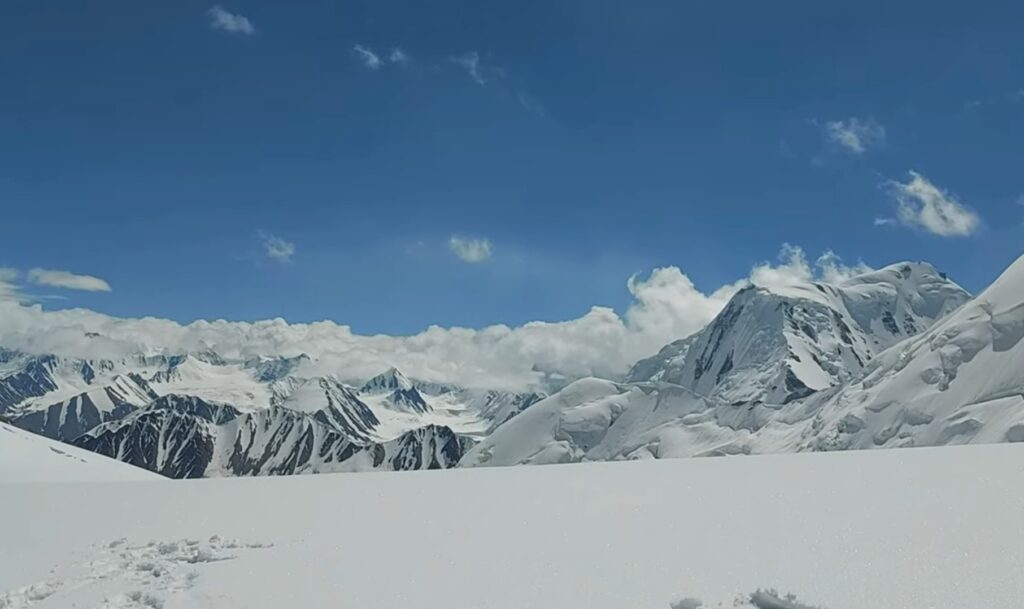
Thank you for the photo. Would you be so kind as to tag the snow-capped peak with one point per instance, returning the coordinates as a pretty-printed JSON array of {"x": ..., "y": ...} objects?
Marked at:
[
  {"x": 779, "y": 343},
  {"x": 386, "y": 382}
]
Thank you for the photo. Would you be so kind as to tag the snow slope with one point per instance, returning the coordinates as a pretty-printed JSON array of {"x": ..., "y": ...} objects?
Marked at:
[
  {"x": 888, "y": 529},
  {"x": 598, "y": 420},
  {"x": 27, "y": 457},
  {"x": 960, "y": 382}
]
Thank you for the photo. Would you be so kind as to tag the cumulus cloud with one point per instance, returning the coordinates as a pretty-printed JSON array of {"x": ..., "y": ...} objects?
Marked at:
[
  {"x": 666, "y": 306},
  {"x": 473, "y": 251},
  {"x": 232, "y": 23},
  {"x": 923, "y": 205},
  {"x": 794, "y": 269},
  {"x": 67, "y": 280},
  {"x": 277, "y": 248},
  {"x": 855, "y": 134}
]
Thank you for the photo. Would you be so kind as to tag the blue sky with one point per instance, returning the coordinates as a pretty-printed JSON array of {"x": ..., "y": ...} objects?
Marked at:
[{"x": 252, "y": 162}]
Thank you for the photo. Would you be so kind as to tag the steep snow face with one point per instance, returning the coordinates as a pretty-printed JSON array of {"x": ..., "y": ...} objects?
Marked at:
[
  {"x": 70, "y": 418},
  {"x": 333, "y": 404},
  {"x": 29, "y": 458},
  {"x": 785, "y": 343},
  {"x": 960, "y": 382}
]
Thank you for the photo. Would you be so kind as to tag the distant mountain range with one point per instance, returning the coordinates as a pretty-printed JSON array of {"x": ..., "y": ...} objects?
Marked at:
[{"x": 901, "y": 356}]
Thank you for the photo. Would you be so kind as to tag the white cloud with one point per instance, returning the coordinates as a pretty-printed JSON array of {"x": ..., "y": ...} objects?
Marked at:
[
  {"x": 67, "y": 280},
  {"x": 795, "y": 269},
  {"x": 832, "y": 270},
  {"x": 473, "y": 251},
  {"x": 470, "y": 62},
  {"x": 923, "y": 205},
  {"x": 666, "y": 306},
  {"x": 233, "y": 23},
  {"x": 8, "y": 291},
  {"x": 276, "y": 248},
  {"x": 374, "y": 61},
  {"x": 399, "y": 56},
  {"x": 855, "y": 134},
  {"x": 370, "y": 59}
]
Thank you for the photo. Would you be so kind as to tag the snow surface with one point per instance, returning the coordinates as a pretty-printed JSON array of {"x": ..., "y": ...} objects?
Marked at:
[
  {"x": 889, "y": 529},
  {"x": 26, "y": 457}
]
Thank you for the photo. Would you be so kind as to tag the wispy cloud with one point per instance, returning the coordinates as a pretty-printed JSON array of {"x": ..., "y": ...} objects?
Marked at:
[
  {"x": 399, "y": 56},
  {"x": 472, "y": 251},
  {"x": 480, "y": 74},
  {"x": 277, "y": 248},
  {"x": 923, "y": 205},
  {"x": 233, "y": 23},
  {"x": 1013, "y": 97},
  {"x": 530, "y": 103},
  {"x": 374, "y": 60},
  {"x": 855, "y": 134},
  {"x": 370, "y": 59},
  {"x": 67, "y": 280}
]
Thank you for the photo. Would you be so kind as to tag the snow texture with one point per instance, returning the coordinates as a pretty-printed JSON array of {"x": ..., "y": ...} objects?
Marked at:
[{"x": 886, "y": 529}]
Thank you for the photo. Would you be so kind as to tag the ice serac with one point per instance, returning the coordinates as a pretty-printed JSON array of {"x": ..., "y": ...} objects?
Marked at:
[
  {"x": 68, "y": 419},
  {"x": 784, "y": 343},
  {"x": 959, "y": 382}
]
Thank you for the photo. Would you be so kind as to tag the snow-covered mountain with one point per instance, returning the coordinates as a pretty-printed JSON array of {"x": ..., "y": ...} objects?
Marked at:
[
  {"x": 67, "y": 419},
  {"x": 200, "y": 414},
  {"x": 892, "y": 357},
  {"x": 187, "y": 437},
  {"x": 959, "y": 381},
  {"x": 784, "y": 343}
]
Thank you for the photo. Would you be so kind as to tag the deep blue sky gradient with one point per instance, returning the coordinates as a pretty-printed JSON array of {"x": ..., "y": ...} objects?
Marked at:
[{"x": 140, "y": 145}]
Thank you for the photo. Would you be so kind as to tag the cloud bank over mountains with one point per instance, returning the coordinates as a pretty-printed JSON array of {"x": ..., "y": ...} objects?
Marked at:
[{"x": 666, "y": 306}]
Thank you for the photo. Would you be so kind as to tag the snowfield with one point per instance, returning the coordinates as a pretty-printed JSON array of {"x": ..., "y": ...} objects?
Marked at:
[
  {"x": 26, "y": 457},
  {"x": 926, "y": 528}
]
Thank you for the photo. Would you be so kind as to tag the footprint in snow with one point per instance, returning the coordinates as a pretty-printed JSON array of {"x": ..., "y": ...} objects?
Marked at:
[{"x": 150, "y": 572}]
